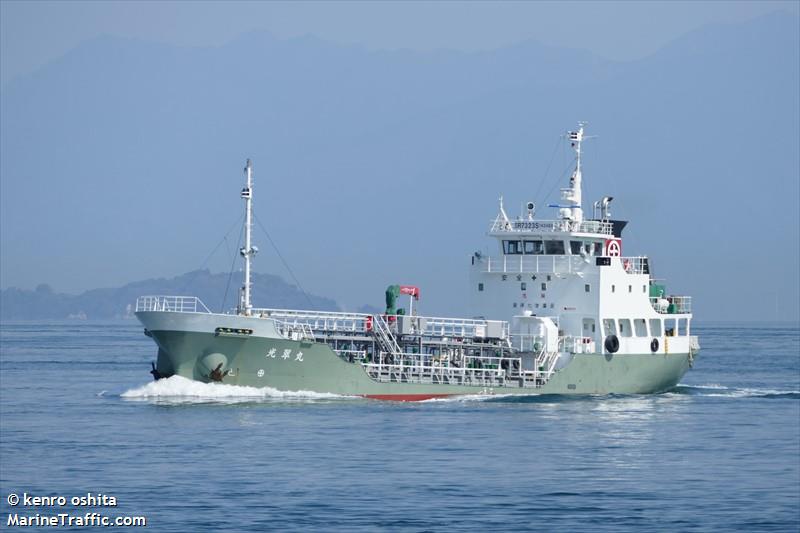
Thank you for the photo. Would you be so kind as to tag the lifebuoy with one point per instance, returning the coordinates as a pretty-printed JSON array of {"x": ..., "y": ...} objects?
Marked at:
[
  {"x": 654, "y": 345},
  {"x": 612, "y": 344}
]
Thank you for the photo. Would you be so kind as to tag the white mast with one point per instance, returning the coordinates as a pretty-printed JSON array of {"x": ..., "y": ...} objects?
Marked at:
[
  {"x": 503, "y": 211},
  {"x": 248, "y": 251},
  {"x": 571, "y": 208}
]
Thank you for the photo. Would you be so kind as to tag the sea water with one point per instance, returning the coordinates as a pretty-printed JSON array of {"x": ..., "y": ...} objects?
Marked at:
[{"x": 80, "y": 416}]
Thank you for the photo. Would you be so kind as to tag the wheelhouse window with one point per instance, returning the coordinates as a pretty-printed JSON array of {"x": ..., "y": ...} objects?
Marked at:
[
  {"x": 575, "y": 247},
  {"x": 554, "y": 247},
  {"x": 534, "y": 247},
  {"x": 589, "y": 248},
  {"x": 512, "y": 247}
]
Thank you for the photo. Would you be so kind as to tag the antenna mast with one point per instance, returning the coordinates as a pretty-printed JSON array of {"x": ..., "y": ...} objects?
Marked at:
[
  {"x": 572, "y": 210},
  {"x": 248, "y": 251}
]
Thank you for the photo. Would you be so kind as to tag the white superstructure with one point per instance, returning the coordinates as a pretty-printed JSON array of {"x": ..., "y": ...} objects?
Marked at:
[{"x": 570, "y": 272}]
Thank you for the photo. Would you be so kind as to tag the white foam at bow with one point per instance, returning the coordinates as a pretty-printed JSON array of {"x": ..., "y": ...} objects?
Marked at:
[{"x": 178, "y": 389}]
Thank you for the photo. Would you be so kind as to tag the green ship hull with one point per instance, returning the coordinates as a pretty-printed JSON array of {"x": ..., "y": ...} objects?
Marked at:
[
  {"x": 191, "y": 345},
  {"x": 581, "y": 343}
]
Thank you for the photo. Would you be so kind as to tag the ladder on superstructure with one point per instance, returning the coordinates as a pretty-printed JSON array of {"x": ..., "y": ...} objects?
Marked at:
[{"x": 384, "y": 336}]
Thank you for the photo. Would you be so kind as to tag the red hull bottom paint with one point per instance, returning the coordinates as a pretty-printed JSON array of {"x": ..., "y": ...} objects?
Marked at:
[{"x": 405, "y": 397}]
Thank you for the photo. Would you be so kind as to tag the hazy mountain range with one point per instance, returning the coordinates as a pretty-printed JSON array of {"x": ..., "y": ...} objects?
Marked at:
[
  {"x": 122, "y": 160},
  {"x": 219, "y": 292}
]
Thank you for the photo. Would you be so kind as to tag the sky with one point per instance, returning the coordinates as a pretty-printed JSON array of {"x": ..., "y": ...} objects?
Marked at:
[
  {"x": 87, "y": 126},
  {"x": 35, "y": 33}
]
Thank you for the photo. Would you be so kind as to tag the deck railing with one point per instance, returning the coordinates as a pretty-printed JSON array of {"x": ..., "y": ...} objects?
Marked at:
[
  {"x": 462, "y": 328},
  {"x": 466, "y": 370},
  {"x": 403, "y": 373},
  {"x": 672, "y": 305},
  {"x": 533, "y": 264},
  {"x": 636, "y": 265},
  {"x": 330, "y": 321},
  {"x": 295, "y": 332},
  {"x": 175, "y": 304},
  {"x": 324, "y": 323}
]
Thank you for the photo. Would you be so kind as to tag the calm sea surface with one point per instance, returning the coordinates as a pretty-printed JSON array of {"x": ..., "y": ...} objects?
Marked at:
[{"x": 721, "y": 452}]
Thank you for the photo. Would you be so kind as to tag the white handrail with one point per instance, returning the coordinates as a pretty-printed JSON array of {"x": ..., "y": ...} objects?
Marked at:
[
  {"x": 173, "y": 304},
  {"x": 534, "y": 264},
  {"x": 672, "y": 305}
]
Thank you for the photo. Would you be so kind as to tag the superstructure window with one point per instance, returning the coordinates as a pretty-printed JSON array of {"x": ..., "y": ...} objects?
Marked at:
[
  {"x": 480, "y": 287},
  {"x": 523, "y": 286},
  {"x": 640, "y": 326},
  {"x": 534, "y": 247},
  {"x": 655, "y": 327},
  {"x": 625, "y": 327},
  {"x": 575, "y": 247},
  {"x": 587, "y": 287},
  {"x": 554, "y": 247},
  {"x": 512, "y": 247},
  {"x": 609, "y": 327}
]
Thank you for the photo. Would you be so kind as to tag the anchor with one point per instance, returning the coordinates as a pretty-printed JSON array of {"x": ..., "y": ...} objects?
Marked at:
[
  {"x": 217, "y": 374},
  {"x": 156, "y": 374}
]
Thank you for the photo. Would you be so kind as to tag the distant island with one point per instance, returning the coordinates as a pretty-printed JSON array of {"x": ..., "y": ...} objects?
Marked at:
[{"x": 217, "y": 291}]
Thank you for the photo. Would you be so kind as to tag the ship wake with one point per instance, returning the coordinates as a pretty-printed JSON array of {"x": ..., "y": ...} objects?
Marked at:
[
  {"x": 720, "y": 391},
  {"x": 180, "y": 390}
]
